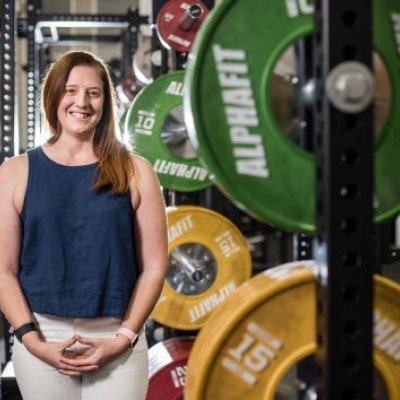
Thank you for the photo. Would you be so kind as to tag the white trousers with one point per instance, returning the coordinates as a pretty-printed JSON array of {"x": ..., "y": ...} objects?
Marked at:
[{"x": 124, "y": 378}]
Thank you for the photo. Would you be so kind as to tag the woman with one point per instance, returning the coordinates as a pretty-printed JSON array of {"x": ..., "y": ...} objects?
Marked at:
[{"x": 83, "y": 246}]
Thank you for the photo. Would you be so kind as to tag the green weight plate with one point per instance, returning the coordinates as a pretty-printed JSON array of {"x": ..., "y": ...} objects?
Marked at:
[
  {"x": 121, "y": 121},
  {"x": 229, "y": 83},
  {"x": 155, "y": 127}
]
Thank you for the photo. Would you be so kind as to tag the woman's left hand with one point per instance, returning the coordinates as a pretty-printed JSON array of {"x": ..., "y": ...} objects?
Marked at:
[{"x": 101, "y": 351}]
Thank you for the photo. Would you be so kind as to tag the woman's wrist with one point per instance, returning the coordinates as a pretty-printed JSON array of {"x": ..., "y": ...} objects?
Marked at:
[
  {"x": 128, "y": 334},
  {"x": 32, "y": 340},
  {"x": 24, "y": 329},
  {"x": 123, "y": 342}
]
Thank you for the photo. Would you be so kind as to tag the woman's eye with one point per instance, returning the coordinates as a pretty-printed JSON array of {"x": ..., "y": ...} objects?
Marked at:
[
  {"x": 94, "y": 94},
  {"x": 70, "y": 91}
]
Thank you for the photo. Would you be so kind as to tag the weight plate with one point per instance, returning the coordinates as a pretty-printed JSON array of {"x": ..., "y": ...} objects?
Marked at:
[
  {"x": 178, "y": 22},
  {"x": 158, "y": 132},
  {"x": 129, "y": 87},
  {"x": 252, "y": 341},
  {"x": 142, "y": 60},
  {"x": 229, "y": 81},
  {"x": 208, "y": 260},
  {"x": 167, "y": 368},
  {"x": 122, "y": 119}
]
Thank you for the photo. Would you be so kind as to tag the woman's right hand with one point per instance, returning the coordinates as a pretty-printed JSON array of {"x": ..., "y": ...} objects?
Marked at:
[{"x": 52, "y": 352}]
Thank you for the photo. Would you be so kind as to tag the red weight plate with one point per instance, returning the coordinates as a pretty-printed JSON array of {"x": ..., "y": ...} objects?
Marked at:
[
  {"x": 178, "y": 22},
  {"x": 167, "y": 366},
  {"x": 129, "y": 87}
]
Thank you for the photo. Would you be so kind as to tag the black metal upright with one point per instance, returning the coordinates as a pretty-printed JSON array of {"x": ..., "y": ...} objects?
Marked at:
[
  {"x": 33, "y": 75},
  {"x": 344, "y": 246},
  {"x": 9, "y": 137},
  {"x": 130, "y": 38},
  {"x": 158, "y": 67},
  {"x": 8, "y": 141}
]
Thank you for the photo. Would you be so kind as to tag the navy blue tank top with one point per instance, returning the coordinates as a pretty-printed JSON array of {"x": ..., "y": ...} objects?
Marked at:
[{"x": 78, "y": 246}]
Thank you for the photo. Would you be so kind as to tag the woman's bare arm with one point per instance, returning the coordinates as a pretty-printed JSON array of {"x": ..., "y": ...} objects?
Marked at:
[
  {"x": 13, "y": 175},
  {"x": 151, "y": 246}
]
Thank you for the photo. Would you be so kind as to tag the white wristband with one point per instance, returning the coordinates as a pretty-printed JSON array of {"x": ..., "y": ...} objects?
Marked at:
[{"x": 131, "y": 335}]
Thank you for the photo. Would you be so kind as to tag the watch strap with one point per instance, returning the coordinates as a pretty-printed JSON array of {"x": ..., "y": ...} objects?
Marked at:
[
  {"x": 23, "y": 329},
  {"x": 131, "y": 335}
]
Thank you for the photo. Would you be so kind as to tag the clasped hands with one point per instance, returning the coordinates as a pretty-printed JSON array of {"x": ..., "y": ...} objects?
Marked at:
[{"x": 79, "y": 355}]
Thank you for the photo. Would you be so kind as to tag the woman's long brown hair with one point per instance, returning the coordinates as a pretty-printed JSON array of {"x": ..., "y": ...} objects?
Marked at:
[{"x": 115, "y": 161}]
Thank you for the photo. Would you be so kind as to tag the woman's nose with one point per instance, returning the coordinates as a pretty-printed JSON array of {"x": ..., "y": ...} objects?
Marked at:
[{"x": 81, "y": 99}]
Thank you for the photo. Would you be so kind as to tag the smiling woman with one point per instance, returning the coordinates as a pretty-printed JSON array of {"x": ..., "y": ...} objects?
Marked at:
[
  {"x": 83, "y": 244},
  {"x": 80, "y": 109},
  {"x": 81, "y": 85}
]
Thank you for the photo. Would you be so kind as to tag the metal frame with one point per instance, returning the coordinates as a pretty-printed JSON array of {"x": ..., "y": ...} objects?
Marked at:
[
  {"x": 9, "y": 144},
  {"x": 302, "y": 247},
  {"x": 8, "y": 125},
  {"x": 77, "y": 40},
  {"x": 36, "y": 40},
  {"x": 344, "y": 246},
  {"x": 179, "y": 60},
  {"x": 387, "y": 251},
  {"x": 156, "y": 45}
]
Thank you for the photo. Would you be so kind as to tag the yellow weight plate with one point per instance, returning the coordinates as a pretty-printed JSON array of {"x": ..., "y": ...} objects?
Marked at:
[
  {"x": 208, "y": 259},
  {"x": 268, "y": 325}
]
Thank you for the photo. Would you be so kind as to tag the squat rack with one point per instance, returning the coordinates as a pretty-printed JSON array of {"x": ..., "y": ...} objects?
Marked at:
[{"x": 344, "y": 246}]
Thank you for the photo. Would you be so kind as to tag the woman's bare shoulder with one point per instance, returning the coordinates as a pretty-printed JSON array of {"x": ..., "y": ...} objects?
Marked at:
[
  {"x": 141, "y": 162},
  {"x": 143, "y": 167},
  {"x": 14, "y": 167}
]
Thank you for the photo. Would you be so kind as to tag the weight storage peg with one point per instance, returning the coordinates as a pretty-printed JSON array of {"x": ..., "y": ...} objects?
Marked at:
[{"x": 350, "y": 87}]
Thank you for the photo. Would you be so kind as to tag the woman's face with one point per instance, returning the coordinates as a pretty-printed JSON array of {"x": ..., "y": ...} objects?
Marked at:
[{"x": 81, "y": 107}]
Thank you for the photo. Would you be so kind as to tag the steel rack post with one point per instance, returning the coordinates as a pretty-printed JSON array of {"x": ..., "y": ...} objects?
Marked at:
[
  {"x": 129, "y": 42},
  {"x": 130, "y": 37},
  {"x": 9, "y": 134},
  {"x": 33, "y": 76},
  {"x": 344, "y": 247},
  {"x": 179, "y": 60},
  {"x": 303, "y": 136},
  {"x": 9, "y": 141},
  {"x": 302, "y": 247},
  {"x": 8, "y": 339},
  {"x": 159, "y": 67}
]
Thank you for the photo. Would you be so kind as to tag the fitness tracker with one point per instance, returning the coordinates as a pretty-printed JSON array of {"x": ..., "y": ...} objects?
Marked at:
[
  {"x": 25, "y": 328},
  {"x": 132, "y": 336}
]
